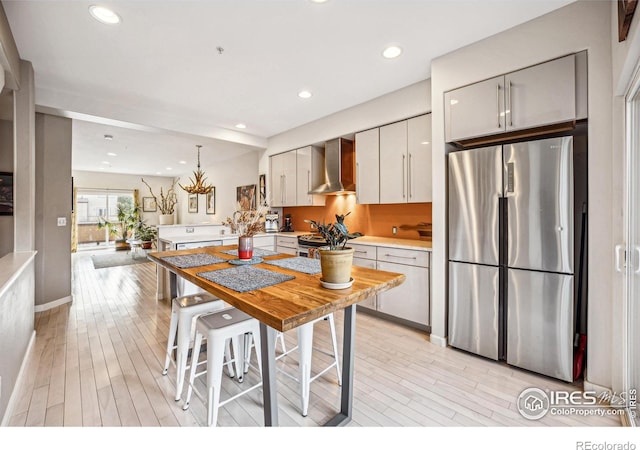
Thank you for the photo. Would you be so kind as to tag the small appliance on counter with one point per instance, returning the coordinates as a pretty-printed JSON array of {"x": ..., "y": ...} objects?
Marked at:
[
  {"x": 287, "y": 223},
  {"x": 271, "y": 223}
]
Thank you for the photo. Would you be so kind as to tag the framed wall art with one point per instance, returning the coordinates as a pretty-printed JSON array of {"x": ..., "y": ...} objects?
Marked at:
[
  {"x": 246, "y": 197},
  {"x": 263, "y": 189},
  {"x": 149, "y": 204},
  {"x": 193, "y": 203},
  {"x": 6, "y": 194},
  {"x": 211, "y": 201}
]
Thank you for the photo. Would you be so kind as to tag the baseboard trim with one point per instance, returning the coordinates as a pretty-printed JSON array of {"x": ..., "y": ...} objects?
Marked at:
[
  {"x": 13, "y": 400},
  {"x": 53, "y": 304},
  {"x": 437, "y": 340}
]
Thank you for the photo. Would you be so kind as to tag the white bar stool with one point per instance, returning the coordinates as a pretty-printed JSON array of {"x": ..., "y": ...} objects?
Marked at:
[
  {"x": 184, "y": 311},
  {"x": 218, "y": 328},
  {"x": 305, "y": 347}
]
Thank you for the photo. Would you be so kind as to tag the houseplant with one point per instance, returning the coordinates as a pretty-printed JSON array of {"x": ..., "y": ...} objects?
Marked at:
[
  {"x": 147, "y": 234},
  {"x": 336, "y": 258},
  {"x": 246, "y": 224},
  {"x": 166, "y": 203},
  {"x": 127, "y": 220}
]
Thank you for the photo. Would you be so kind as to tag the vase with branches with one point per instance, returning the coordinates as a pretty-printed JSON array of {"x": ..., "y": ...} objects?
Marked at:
[
  {"x": 246, "y": 224},
  {"x": 166, "y": 202}
]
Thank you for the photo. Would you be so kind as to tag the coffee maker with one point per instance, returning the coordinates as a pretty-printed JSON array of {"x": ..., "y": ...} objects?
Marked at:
[
  {"x": 287, "y": 223},
  {"x": 271, "y": 222}
]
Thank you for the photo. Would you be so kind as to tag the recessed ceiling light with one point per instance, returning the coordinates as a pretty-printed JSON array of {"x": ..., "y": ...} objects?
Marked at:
[
  {"x": 112, "y": 154},
  {"x": 241, "y": 126},
  {"x": 425, "y": 142},
  {"x": 182, "y": 162},
  {"x": 318, "y": 1},
  {"x": 392, "y": 52},
  {"x": 108, "y": 137},
  {"x": 104, "y": 15},
  {"x": 158, "y": 173},
  {"x": 304, "y": 94},
  {"x": 169, "y": 168},
  {"x": 106, "y": 162}
]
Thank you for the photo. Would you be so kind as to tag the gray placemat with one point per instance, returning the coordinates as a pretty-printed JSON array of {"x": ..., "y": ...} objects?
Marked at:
[
  {"x": 193, "y": 260},
  {"x": 244, "y": 262},
  {"x": 256, "y": 252},
  {"x": 245, "y": 278},
  {"x": 299, "y": 264}
]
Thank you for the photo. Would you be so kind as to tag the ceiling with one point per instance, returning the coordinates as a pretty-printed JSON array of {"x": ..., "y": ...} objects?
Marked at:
[{"x": 158, "y": 83}]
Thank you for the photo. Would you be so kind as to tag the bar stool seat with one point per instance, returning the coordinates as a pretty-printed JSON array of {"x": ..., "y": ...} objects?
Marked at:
[
  {"x": 184, "y": 311},
  {"x": 218, "y": 328}
]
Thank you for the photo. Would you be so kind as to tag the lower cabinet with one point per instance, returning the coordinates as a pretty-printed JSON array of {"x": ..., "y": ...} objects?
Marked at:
[
  {"x": 409, "y": 302},
  {"x": 287, "y": 245}
]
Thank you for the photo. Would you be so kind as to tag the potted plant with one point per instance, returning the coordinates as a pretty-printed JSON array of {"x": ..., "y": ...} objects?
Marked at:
[
  {"x": 166, "y": 203},
  {"x": 127, "y": 220},
  {"x": 246, "y": 223},
  {"x": 147, "y": 234},
  {"x": 336, "y": 258}
]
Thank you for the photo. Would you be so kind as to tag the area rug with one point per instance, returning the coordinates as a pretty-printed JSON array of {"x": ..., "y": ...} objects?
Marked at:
[{"x": 117, "y": 259}]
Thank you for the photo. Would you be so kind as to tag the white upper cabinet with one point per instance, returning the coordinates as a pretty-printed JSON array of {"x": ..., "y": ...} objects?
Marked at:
[
  {"x": 405, "y": 161},
  {"x": 283, "y": 179},
  {"x": 475, "y": 110},
  {"x": 419, "y": 148},
  {"x": 393, "y": 163},
  {"x": 540, "y": 95},
  {"x": 309, "y": 175},
  {"x": 368, "y": 166}
]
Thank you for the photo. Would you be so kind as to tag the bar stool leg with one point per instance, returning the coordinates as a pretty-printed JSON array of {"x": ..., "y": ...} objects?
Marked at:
[
  {"x": 173, "y": 326},
  {"x": 305, "y": 343},
  {"x": 194, "y": 365},
  {"x": 215, "y": 362},
  {"x": 334, "y": 342}
]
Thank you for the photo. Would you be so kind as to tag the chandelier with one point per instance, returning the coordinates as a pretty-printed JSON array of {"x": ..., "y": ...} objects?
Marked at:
[{"x": 198, "y": 186}]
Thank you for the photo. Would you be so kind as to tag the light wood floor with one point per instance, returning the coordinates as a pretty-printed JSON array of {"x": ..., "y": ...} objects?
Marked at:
[{"x": 98, "y": 362}]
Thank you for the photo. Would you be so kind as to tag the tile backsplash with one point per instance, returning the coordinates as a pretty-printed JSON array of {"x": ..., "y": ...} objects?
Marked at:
[{"x": 370, "y": 220}]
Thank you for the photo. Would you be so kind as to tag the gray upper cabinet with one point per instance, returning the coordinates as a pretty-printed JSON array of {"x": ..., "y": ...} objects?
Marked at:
[
  {"x": 368, "y": 166},
  {"x": 309, "y": 174},
  {"x": 540, "y": 95}
]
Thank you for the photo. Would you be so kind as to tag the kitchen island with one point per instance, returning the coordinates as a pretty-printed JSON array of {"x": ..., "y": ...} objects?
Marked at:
[{"x": 285, "y": 306}]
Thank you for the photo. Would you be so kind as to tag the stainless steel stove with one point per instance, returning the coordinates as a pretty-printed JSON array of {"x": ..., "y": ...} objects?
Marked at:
[{"x": 307, "y": 241}]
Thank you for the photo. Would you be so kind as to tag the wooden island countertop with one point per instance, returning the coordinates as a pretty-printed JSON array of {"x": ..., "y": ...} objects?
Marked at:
[{"x": 286, "y": 305}]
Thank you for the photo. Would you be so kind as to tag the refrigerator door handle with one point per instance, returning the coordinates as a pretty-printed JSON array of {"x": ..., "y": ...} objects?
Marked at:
[
  {"x": 619, "y": 267},
  {"x": 637, "y": 249}
]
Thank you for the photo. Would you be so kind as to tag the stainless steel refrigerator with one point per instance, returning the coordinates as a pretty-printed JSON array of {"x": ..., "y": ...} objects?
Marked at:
[{"x": 511, "y": 254}]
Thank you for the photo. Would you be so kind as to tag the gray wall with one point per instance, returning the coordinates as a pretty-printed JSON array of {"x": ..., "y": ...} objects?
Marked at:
[
  {"x": 53, "y": 200},
  {"x": 6, "y": 165}
]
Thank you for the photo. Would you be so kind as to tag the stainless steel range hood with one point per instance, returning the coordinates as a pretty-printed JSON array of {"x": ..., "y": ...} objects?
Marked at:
[{"x": 339, "y": 168}]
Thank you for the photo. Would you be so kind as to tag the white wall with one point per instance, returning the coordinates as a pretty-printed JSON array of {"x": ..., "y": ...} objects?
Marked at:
[
  {"x": 578, "y": 26},
  {"x": 226, "y": 177}
]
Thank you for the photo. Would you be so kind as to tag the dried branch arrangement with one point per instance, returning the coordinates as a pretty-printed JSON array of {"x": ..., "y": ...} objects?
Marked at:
[{"x": 167, "y": 202}]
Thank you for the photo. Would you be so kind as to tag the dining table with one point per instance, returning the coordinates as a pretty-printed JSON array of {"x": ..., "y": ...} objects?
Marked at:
[{"x": 282, "y": 293}]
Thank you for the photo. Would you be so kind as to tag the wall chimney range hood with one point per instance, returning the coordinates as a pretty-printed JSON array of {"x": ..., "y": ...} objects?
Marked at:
[{"x": 339, "y": 168}]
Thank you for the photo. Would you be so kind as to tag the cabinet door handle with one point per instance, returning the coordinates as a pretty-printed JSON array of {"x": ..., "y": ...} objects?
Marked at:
[
  {"x": 409, "y": 174},
  {"x": 403, "y": 176},
  {"x": 498, "y": 104},
  {"x": 637, "y": 249},
  {"x": 510, "y": 107},
  {"x": 357, "y": 182},
  {"x": 618, "y": 250},
  {"x": 402, "y": 257},
  {"x": 309, "y": 186},
  {"x": 282, "y": 189}
]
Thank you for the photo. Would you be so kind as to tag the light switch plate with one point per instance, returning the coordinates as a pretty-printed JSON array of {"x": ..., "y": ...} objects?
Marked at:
[{"x": 62, "y": 221}]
